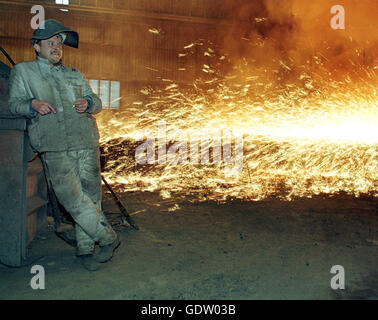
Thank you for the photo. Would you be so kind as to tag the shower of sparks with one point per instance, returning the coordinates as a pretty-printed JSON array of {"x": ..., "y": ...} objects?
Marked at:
[{"x": 301, "y": 139}]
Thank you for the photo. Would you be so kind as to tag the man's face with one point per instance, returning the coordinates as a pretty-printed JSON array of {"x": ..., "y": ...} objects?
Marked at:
[{"x": 50, "y": 49}]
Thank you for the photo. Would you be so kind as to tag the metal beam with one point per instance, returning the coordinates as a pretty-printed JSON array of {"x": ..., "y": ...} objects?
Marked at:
[{"x": 95, "y": 11}]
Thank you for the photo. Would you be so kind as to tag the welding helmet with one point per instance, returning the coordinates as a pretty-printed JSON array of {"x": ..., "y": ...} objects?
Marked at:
[{"x": 52, "y": 28}]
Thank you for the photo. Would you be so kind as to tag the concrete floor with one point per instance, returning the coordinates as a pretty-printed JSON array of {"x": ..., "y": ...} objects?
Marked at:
[{"x": 239, "y": 250}]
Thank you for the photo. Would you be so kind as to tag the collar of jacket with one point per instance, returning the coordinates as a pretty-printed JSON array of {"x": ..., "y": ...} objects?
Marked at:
[{"x": 45, "y": 64}]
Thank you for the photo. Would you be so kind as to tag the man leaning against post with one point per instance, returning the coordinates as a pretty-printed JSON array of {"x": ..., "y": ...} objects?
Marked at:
[{"x": 59, "y": 105}]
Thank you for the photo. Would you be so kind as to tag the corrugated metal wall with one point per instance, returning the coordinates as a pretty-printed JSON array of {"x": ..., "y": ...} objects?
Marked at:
[{"x": 115, "y": 45}]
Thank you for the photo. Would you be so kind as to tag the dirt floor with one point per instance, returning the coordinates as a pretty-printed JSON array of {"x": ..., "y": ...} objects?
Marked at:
[{"x": 240, "y": 250}]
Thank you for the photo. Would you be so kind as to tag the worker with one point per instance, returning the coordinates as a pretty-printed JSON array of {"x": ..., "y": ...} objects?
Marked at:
[{"x": 59, "y": 104}]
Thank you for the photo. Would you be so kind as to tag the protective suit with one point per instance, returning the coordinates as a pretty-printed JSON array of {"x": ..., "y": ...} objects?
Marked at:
[
  {"x": 68, "y": 140},
  {"x": 61, "y": 86}
]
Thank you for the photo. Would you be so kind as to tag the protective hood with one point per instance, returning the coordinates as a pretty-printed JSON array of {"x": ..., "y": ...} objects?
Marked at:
[{"x": 53, "y": 27}]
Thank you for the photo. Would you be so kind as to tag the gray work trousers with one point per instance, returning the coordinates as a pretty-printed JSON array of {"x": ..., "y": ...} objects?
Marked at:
[{"x": 75, "y": 178}]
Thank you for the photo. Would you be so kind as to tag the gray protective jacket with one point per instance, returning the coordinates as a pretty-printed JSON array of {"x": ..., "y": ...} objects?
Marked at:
[{"x": 61, "y": 86}]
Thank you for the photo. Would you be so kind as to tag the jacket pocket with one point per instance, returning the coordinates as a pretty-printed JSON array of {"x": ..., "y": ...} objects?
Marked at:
[
  {"x": 94, "y": 127},
  {"x": 34, "y": 136}
]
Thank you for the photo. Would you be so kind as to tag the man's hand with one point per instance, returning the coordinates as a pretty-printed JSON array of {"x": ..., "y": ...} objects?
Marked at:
[
  {"x": 42, "y": 107},
  {"x": 81, "y": 105}
]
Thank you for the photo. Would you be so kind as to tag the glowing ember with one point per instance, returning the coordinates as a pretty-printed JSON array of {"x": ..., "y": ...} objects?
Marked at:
[{"x": 154, "y": 30}]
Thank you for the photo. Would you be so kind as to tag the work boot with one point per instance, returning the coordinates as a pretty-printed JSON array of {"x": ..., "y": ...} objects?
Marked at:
[
  {"x": 106, "y": 252},
  {"x": 88, "y": 261}
]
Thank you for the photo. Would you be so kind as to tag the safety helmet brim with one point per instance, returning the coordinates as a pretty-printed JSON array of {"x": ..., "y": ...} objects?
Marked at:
[{"x": 51, "y": 28}]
